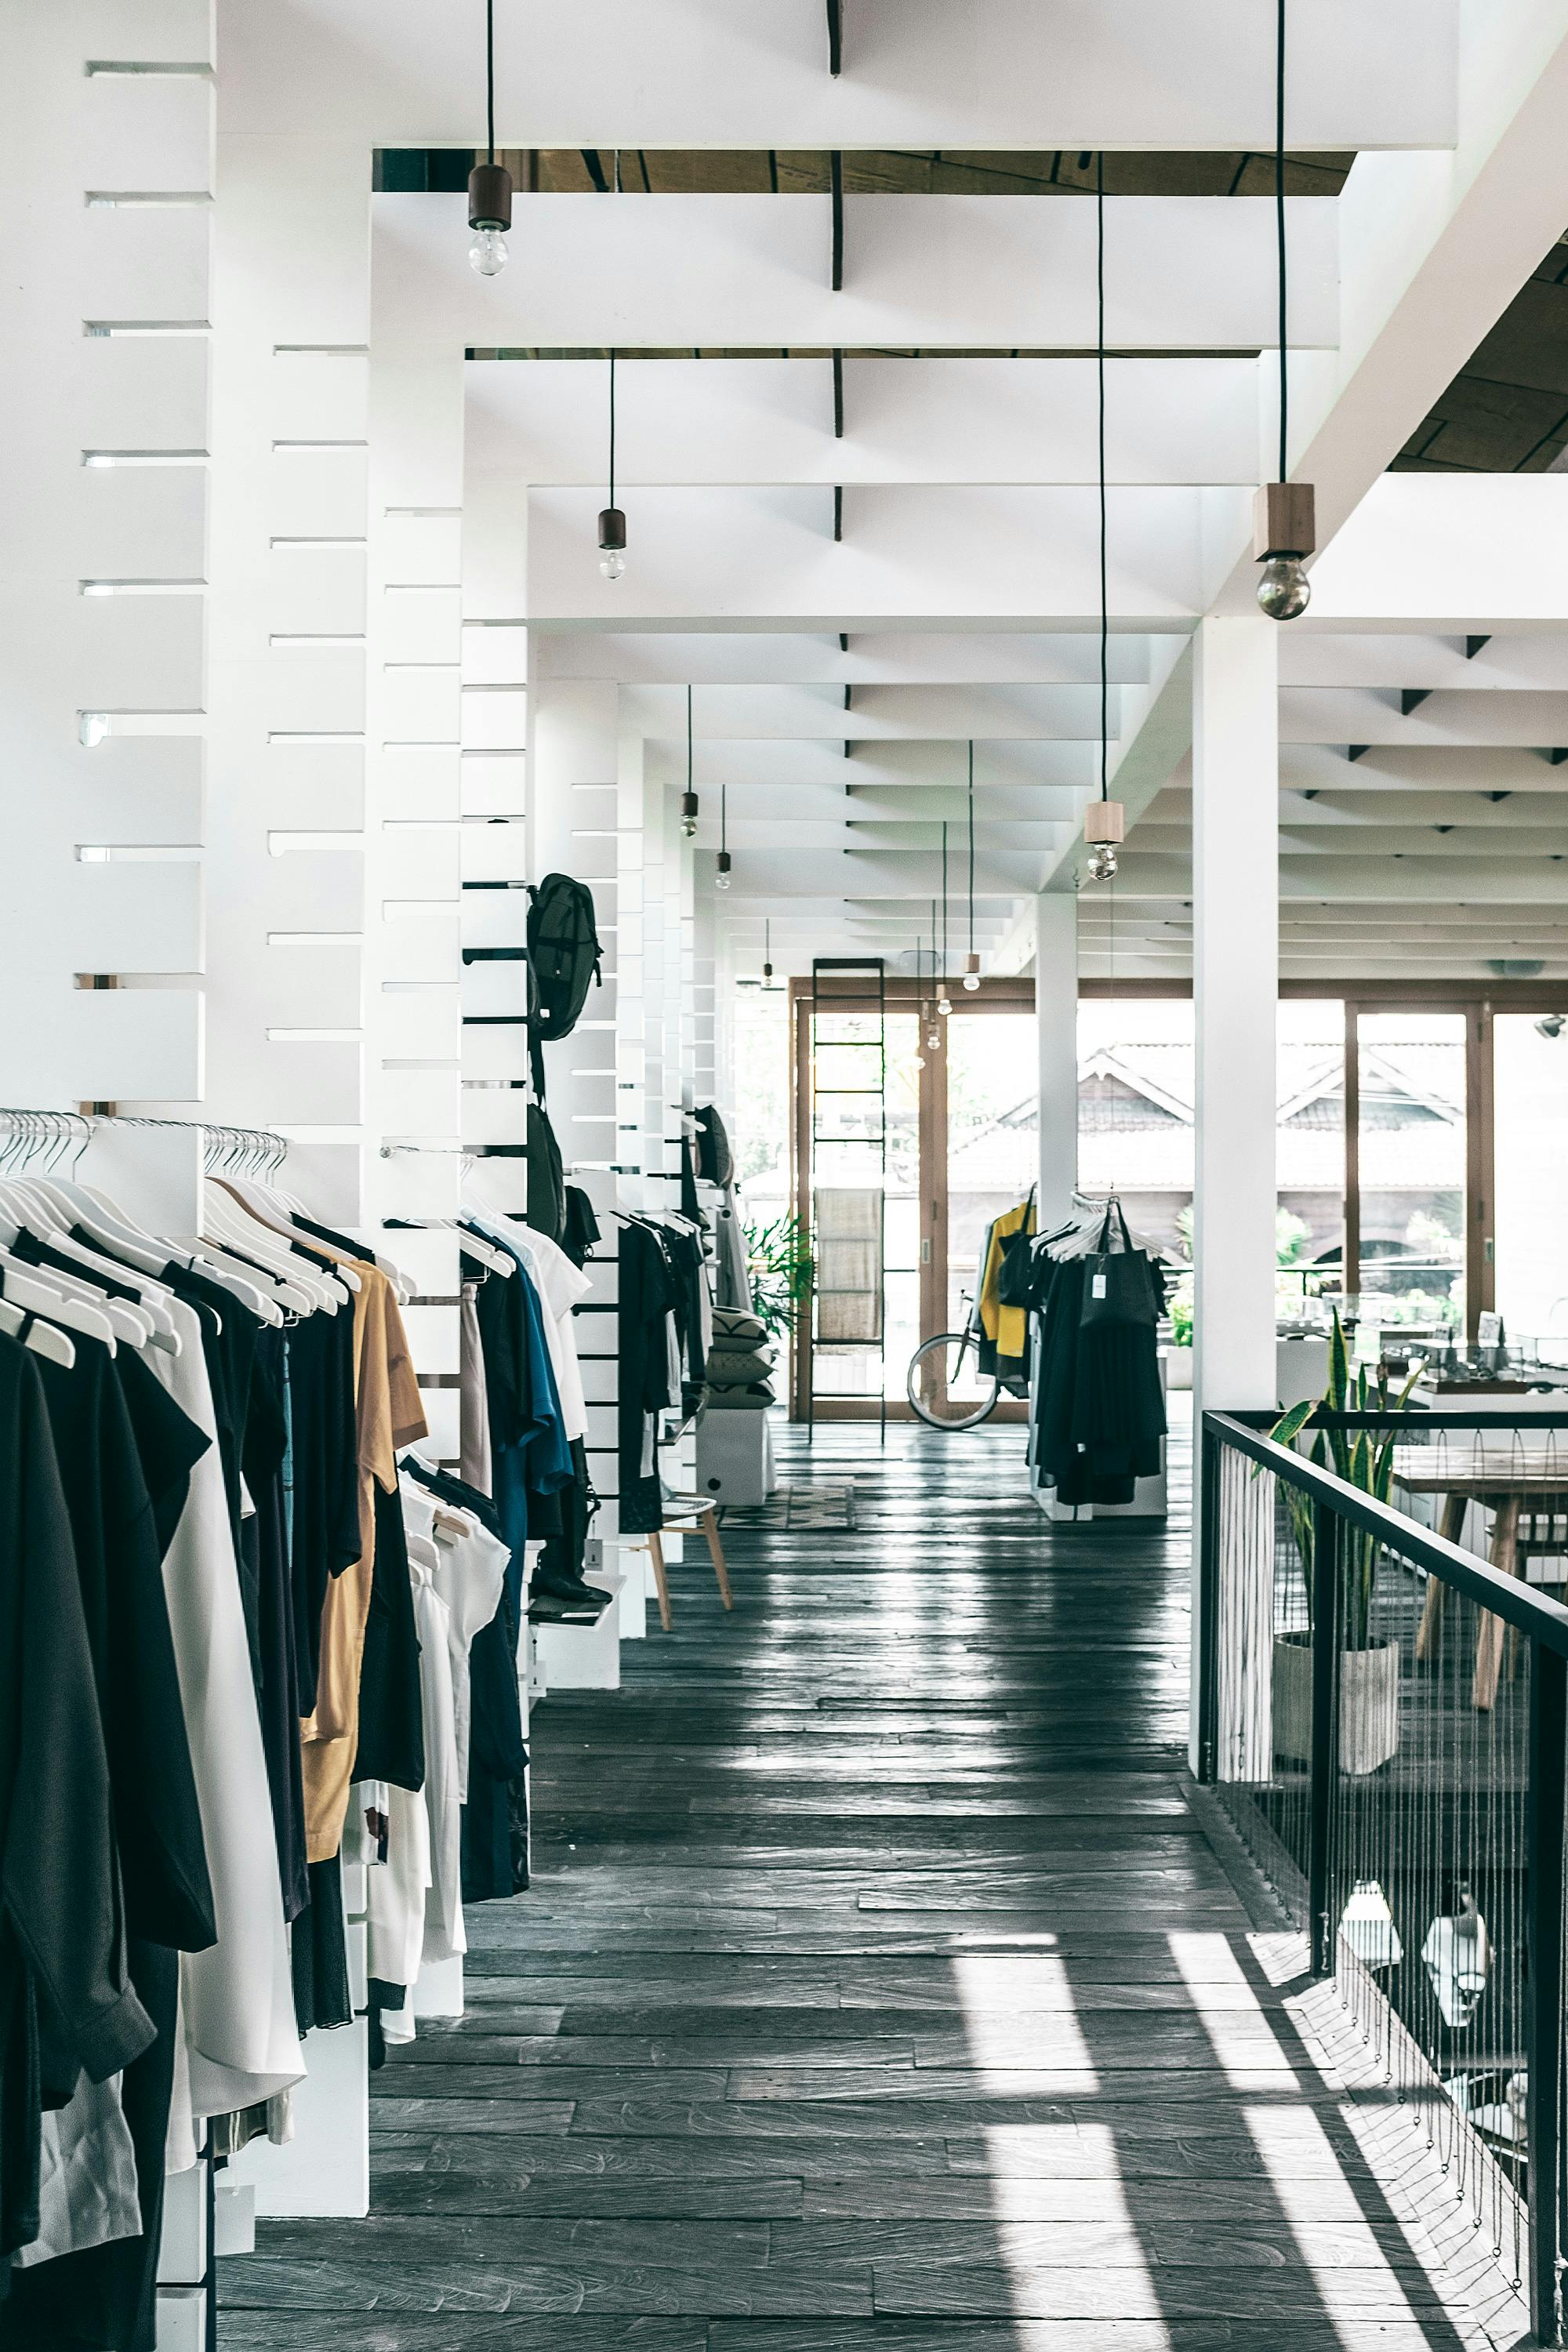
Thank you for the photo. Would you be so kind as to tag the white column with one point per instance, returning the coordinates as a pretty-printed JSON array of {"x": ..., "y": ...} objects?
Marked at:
[
  {"x": 1235, "y": 968},
  {"x": 1056, "y": 1016},
  {"x": 1235, "y": 965}
]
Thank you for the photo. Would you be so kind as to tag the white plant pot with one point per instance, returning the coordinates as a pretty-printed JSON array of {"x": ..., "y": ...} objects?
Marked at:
[{"x": 1369, "y": 1703}]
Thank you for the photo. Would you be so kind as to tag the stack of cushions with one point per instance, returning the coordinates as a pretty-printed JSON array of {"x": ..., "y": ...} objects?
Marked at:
[{"x": 739, "y": 1363}]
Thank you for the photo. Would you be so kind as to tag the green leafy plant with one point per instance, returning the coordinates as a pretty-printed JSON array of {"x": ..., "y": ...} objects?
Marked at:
[
  {"x": 778, "y": 1260},
  {"x": 1363, "y": 1458}
]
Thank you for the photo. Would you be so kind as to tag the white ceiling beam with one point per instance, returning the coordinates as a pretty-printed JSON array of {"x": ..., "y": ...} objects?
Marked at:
[
  {"x": 1194, "y": 74},
  {"x": 694, "y": 422},
  {"x": 942, "y": 557},
  {"x": 782, "y": 764},
  {"x": 1484, "y": 881},
  {"x": 1440, "y": 767},
  {"x": 1443, "y": 720},
  {"x": 877, "y": 873},
  {"x": 1376, "y": 657},
  {"x": 749, "y": 657},
  {"x": 1182, "y": 273},
  {"x": 945, "y": 714}
]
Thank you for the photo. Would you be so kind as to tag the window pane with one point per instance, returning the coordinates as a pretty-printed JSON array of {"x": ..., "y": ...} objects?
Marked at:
[
  {"x": 1309, "y": 1149},
  {"x": 1135, "y": 1110},
  {"x": 1529, "y": 1096},
  {"x": 1412, "y": 1146}
]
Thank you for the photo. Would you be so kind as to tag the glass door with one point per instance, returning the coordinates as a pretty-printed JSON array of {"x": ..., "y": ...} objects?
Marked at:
[
  {"x": 1412, "y": 1125},
  {"x": 1529, "y": 1112},
  {"x": 983, "y": 1150}
]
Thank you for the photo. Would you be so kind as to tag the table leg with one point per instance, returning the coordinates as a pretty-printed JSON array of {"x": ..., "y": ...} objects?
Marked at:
[
  {"x": 1489, "y": 1629},
  {"x": 1429, "y": 1634}
]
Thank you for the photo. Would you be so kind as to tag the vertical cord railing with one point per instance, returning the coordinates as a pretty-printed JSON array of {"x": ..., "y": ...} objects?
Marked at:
[
  {"x": 1337, "y": 1842},
  {"x": 1544, "y": 1808},
  {"x": 1324, "y": 1573}
]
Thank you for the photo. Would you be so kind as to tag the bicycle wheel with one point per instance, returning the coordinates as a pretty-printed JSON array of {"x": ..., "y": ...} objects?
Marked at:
[{"x": 945, "y": 1384}]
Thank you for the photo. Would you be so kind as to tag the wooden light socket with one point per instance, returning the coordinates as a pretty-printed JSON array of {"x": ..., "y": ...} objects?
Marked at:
[
  {"x": 1105, "y": 821},
  {"x": 1284, "y": 520}
]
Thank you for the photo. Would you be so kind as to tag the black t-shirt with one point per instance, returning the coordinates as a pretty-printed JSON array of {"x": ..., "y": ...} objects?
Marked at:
[{"x": 119, "y": 1558}]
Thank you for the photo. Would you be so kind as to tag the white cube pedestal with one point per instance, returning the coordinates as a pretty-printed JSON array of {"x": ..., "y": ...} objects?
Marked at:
[
  {"x": 584, "y": 1657},
  {"x": 735, "y": 1458}
]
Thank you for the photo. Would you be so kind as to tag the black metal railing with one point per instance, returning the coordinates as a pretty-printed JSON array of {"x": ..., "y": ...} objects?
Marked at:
[{"x": 1382, "y": 1718}]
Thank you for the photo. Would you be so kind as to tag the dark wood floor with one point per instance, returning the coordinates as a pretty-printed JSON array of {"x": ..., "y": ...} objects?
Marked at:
[{"x": 876, "y": 1990}]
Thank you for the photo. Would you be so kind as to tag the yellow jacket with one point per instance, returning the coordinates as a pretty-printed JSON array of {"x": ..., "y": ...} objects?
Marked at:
[{"x": 1008, "y": 1326}]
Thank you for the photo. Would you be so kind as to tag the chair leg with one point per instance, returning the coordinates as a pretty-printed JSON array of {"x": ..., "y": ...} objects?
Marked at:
[
  {"x": 660, "y": 1581},
  {"x": 710, "y": 1530},
  {"x": 1489, "y": 1629},
  {"x": 1428, "y": 1639}
]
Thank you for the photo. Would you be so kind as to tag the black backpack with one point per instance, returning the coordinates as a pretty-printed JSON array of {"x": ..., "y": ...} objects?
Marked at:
[
  {"x": 715, "y": 1161},
  {"x": 546, "y": 1211},
  {"x": 563, "y": 954}
]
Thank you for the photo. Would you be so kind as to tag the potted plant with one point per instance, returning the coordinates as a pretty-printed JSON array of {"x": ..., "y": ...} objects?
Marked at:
[
  {"x": 778, "y": 1261},
  {"x": 1369, "y": 1667}
]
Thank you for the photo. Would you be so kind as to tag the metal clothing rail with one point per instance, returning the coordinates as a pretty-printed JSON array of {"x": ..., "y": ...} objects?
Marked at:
[{"x": 23, "y": 1134}]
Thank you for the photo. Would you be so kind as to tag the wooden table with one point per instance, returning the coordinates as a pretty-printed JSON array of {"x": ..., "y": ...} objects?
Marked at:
[{"x": 1504, "y": 1480}]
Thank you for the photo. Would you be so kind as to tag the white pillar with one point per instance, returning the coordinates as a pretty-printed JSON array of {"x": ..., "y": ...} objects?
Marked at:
[
  {"x": 1235, "y": 966},
  {"x": 1056, "y": 1016}
]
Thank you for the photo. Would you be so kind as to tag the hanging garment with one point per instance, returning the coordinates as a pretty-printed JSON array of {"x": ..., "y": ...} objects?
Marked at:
[
  {"x": 560, "y": 1284},
  {"x": 66, "y": 2004},
  {"x": 847, "y": 1271},
  {"x": 263, "y": 1542},
  {"x": 1098, "y": 1404},
  {"x": 387, "y": 1413},
  {"x": 733, "y": 1280},
  {"x": 474, "y": 1412},
  {"x": 87, "y": 2185},
  {"x": 391, "y": 1724},
  {"x": 582, "y": 1225},
  {"x": 646, "y": 1296},
  {"x": 236, "y": 1998},
  {"x": 495, "y": 1852},
  {"x": 1006, "y": 1327}
]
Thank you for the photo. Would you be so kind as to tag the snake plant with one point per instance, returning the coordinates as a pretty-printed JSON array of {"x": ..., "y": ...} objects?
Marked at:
[{"x": 1363, "y": 1458}]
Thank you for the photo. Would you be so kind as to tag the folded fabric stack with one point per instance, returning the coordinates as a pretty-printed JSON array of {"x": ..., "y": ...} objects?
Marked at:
[{"x": 739, "y": 1363}]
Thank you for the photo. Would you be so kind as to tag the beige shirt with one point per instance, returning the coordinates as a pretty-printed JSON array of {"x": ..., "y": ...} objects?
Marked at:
[{"x": 388, "y": 1413}]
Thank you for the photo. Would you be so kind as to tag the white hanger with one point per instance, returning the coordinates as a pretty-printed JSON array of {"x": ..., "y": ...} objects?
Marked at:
[
  {"x": 253, "y": 1210},
  {"x": 139, "y": 1319},
  {"x": 210, "y": 1257},
  {"x": 126, "y": 1321},
  {"x": 255, "y": 1237},
  {"x": 20, "y": 1285},
  {"x": 43, "y": 1339}
]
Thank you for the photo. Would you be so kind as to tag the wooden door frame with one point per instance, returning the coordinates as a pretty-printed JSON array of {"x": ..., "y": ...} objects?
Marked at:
[{"x": 903, "y": 995}]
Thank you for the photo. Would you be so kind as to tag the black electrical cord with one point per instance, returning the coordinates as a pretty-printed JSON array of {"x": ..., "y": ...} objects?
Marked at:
[
  {"x": 972, "y": 845},
  {"x": 1279, "y": 231},
  {"x": 688, "y": 739},
  {"x": 944, "y": 901},
  {"x": 490, "y": 80},
  {"x": 723, "y": 816},
  {"x": 1104, "y": 568},
  {"x": 612, "y": 497}
]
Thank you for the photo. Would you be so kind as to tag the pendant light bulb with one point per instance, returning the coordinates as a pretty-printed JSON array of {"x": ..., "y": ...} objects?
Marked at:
[
  {"x": 489, "y": 183},
  {"x": 1102, "y": 863},
  {"x": 933, "y": 1042},
  {"x": 943, "y": 1005},
  {"x": 612, "y": 543},
  {"x": 722, "y": 878},
  {"x": 688, "y": 815},
  {"x": 488, "y": 252},
  {"x": 971, "y": 971},
  {"x": 1284, "y": 591}
]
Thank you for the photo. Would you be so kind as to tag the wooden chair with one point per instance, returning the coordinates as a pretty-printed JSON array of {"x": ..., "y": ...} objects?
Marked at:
[{"x": 687, "y": 1515}]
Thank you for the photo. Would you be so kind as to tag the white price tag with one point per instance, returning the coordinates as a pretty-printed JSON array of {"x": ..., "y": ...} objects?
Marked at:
[{"x": 1097, "y": 1286}]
